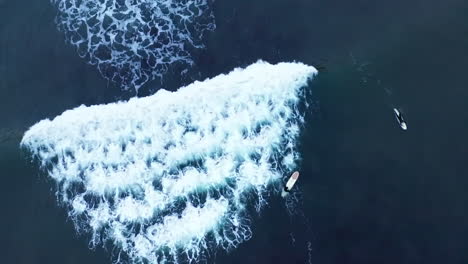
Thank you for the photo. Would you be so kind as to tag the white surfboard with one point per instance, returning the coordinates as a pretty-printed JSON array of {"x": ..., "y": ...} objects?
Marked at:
[{"x": 292, "y": 180}]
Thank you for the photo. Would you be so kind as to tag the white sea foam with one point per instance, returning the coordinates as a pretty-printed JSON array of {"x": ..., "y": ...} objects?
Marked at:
[
  {"x": 173, "y": 174},
  {"x": 134, "y": 41}
]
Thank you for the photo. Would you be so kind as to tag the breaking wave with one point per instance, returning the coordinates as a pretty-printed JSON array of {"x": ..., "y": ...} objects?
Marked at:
[
  {"x": 134, "y": 41},
  {"x": 173, "y": 175}
]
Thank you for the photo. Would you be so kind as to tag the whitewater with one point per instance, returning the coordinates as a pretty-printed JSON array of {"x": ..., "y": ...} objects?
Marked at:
[
  {"x": 132, "y": 42},
  {"x": 169, "y": 177}
]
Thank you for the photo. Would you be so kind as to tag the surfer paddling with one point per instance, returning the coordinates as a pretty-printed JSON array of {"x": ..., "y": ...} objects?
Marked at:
[
  {"x": 292, "y": 180},
  {"x": 399, "y": 118}
]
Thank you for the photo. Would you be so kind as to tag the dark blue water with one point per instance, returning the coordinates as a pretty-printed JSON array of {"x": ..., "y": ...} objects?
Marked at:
[{"x": 370, "y": 193}]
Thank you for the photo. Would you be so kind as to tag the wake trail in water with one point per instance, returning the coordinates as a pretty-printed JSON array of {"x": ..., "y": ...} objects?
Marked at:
[
  {"x": 170, "y": 176},
  {"x": 134, "y": 41},
  {"x": 369, "y": 78}
]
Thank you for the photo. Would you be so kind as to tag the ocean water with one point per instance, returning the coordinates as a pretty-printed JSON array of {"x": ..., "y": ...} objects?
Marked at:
[{"x": 368, "y": 192}]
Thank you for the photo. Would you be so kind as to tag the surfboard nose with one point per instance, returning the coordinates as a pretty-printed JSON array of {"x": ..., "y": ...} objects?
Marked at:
[{"x": 295, "y": 175}]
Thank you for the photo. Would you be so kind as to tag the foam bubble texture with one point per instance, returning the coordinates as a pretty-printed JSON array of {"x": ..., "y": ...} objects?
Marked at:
[
  {"x": 134, "y": 41},
  {"x": 172, "y": 174}
]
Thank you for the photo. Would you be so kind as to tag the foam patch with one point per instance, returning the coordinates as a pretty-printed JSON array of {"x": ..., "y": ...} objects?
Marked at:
[
  {"x": 134, "y": 41},
  {"x": 171, "y": 176}
]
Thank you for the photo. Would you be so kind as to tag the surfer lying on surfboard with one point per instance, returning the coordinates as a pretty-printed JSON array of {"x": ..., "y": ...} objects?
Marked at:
[
  {"x": 292, "y": 180},
  {"x": 399, "y": 118}
]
